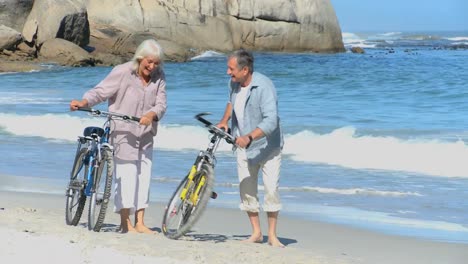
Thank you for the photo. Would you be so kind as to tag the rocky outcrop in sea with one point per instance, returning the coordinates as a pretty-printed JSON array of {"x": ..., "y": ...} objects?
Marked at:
[{"x": 107, "y": 32}]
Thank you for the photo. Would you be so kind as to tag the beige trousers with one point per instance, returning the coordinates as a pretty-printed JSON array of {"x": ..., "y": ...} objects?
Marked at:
[
  {"x": 132, "y": 184},
  {"x": 248, "y": 182}
]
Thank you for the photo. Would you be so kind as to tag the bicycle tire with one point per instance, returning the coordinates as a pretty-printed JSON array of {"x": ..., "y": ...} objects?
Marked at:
[
  {"x": 101, "y": 192},
  {"x": 180, "y": 214},
  {"x": 76, "y": 198}
]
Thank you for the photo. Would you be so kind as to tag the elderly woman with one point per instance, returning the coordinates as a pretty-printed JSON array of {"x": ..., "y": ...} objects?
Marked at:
[{"x": 136, "y": 88}]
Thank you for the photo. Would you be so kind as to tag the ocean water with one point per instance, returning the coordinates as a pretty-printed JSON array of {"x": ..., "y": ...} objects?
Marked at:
[{"x": 375, "y": 140}]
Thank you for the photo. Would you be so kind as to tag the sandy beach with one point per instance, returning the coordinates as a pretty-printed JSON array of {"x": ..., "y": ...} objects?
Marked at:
[{"x": 33, "y": 229}]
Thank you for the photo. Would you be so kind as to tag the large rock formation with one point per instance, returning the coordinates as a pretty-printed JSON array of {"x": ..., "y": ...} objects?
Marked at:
[
  {"x": 48, "y": 20},
  {"x": 65, "y": 53},
  {"x": 13, "y": 13},
  {"x": 110, "y": 30},
  {"x": 223, "y": 25},
  {"x": 9, "y": 37}
]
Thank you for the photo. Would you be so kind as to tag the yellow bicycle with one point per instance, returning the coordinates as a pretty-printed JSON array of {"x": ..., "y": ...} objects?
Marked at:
[{"x": 191, "y": 196}]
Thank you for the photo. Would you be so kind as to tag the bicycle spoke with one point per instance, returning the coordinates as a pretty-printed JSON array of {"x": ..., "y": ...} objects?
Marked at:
[{"x": 187, "y": 203}]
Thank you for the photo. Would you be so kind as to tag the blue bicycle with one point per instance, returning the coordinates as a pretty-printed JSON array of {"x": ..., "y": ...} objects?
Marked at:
[{"x": 91, "y": 175}]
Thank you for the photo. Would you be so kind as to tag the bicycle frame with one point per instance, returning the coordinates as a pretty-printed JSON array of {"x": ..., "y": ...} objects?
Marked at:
[
  {"x": 196, "y": 188},
  {"x": 95, "y": 144},
  {"x": 208, "y": 155},
  {"x": 94, "y": 155}
]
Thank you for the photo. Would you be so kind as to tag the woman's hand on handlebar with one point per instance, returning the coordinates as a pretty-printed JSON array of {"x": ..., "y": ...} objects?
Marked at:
[
  {"x": 148, "y": 118},
  {"x": 75, "y": 104}
]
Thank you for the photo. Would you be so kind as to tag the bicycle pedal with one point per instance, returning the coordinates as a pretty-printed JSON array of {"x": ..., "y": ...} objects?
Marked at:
[{"x": 213, "y": 195}]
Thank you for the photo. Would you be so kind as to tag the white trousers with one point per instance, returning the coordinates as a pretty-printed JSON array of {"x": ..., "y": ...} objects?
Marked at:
[
  {"x": 132, "y": 184},
  {"x": 248, "y": 182}
]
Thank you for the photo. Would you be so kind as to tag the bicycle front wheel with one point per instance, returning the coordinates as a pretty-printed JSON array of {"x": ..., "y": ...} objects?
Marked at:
[
  {"x": 188, "y": 203},
  {"x": 101, "y": 191},
  {"x": 76, "y": 197}
]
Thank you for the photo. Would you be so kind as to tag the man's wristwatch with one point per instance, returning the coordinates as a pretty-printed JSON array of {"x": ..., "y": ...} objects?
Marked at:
[{"x": 250, "y": 142}]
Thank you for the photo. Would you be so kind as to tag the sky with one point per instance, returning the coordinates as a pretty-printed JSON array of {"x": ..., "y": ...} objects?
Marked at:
[{"x": 401, "y": 15}]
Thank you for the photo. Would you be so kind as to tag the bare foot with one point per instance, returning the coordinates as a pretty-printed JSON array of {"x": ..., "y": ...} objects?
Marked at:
[
  {"x": 274, "y": 242},
  {"x": 254, "y": 238},
  {"x": 129, "y": 229},
  {"x": 143, "y": 229}
]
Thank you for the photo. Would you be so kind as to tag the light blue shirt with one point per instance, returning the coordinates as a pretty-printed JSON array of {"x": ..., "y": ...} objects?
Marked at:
[{"x": 261, "y": 110}]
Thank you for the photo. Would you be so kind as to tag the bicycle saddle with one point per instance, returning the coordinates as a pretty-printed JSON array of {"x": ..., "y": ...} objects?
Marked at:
[{"x": 93, "y": 130}]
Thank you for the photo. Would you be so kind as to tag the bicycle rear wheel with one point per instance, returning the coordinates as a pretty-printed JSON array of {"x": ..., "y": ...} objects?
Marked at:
[
  {"x": 183, "y": 212},
  {"x": 76, "y": 197},
  {"x": 101, "y": 191}
]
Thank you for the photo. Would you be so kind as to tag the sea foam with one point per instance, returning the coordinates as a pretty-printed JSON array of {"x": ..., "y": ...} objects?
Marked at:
[{"x": 341, "y": 147}]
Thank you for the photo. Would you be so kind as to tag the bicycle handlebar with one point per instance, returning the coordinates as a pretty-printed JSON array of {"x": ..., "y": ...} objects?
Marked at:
[
  {"x": 216, "y": 130},
  {"x": 111, "y": 114}
]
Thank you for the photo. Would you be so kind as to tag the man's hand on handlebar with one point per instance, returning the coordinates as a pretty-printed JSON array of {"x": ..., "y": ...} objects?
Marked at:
[
  {"x": 223, "y": 126},
  {"x": 243, "y": 141}
]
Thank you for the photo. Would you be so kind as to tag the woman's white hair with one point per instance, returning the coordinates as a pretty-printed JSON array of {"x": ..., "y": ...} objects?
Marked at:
[{"x": 149, "y": 47}]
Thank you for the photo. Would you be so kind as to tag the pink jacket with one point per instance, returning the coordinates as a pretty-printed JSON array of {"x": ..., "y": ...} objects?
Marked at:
[{"x": 126, "y": 95}]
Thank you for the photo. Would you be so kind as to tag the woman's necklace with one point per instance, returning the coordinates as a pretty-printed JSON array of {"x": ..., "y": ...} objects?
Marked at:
[{"x": 144, "y": 80}]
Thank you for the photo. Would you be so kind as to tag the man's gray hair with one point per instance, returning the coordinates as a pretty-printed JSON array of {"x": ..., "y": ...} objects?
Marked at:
[
  {"x": 244, "y": 59},
  {"x": 149, "y": 47}
]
